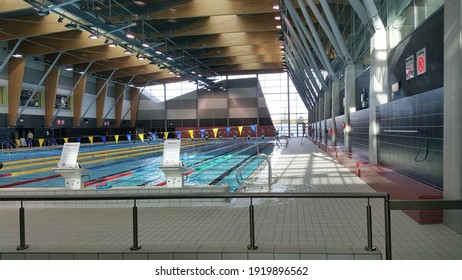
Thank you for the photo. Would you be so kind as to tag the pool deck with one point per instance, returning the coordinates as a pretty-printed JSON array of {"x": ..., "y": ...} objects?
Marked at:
[{"x": 284, "y": 228}]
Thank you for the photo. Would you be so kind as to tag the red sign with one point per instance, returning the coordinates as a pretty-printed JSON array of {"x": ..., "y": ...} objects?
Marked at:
[{"x": 421, "y": 62}]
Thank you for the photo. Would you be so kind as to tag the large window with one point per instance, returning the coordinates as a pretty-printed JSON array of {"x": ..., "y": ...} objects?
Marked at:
[{"x": 284, "y": 104}]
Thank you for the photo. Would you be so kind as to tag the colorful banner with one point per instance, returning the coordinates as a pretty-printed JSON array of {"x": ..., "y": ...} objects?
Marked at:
[
  {"x": 41, "y": 140},
  {"x": 253, "y": 127},
  {"x": 215, "y": 131},
  {"x": 228, "y": 129},
  {"x": 129, "y": 138},
  {"x": 103, "y": 138},
  {"x": 153, "y": 135},
  {"x": 202, "y": 133},
  {"x": 178, "y": 134},
  {"x": 141, "y": 136},
  {"x": 166, "y": 135},
  {"x": 53, "y": 141},
  {"x": 240, "y": 129},
  {"x": 66, "y": 139},
  {"x": 116, "y": 138},
  {"x": 18, "y": 142},
  {"x": 91, "y": 139},
  {"x": 191, "y": 133}
]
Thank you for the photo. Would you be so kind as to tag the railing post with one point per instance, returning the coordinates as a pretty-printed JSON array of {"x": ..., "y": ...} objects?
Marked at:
[
  {"x": 135, "y": 228},
  {"x": 369, "y": 246},
  {"x": 387, "y": 227},
  {"x": 22, "y": 229},
  {"x": 252, "y": 245}
]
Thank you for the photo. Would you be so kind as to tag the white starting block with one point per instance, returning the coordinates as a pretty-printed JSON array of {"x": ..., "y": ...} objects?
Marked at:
[
  {"x": 69, "y": 168},
  {"x": 171, "y": 165}
]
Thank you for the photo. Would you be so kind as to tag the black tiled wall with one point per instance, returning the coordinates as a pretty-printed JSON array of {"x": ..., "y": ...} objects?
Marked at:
[
  {"x": 360, "y": 133},
  {"x": 406, "y": 152}
]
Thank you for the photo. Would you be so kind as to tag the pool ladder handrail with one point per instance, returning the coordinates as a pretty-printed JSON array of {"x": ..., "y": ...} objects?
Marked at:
[{"x": 239, "y": 178}]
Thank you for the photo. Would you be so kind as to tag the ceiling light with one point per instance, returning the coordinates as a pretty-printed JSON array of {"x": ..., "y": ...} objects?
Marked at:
[
  {"x": 93, "y": 36},
  {"x": 129, "y": 34},
  {"x": 278, "y": 26},
  {"x": 276, "y": 7},
  {"x": 277, "y": 18},
  {"x": 169, "y": 58},
  {"x": 145, "y": 44},
  {"x": 140, "y": 56},
  {"x": 17, "y": 55},
  {"x": 170, "y": 72},
  {"x": 68, "y": 68},
  {"x": 193, "y": 72},
  {"x": 112, "y": 44},
  {"x": 127, "y": 51},
  {"x": 158, "y": 52},
  {"x": 71, "y": 25},
  {"x": 199, "y": 75},
  {"x": 178, "y": 75}
]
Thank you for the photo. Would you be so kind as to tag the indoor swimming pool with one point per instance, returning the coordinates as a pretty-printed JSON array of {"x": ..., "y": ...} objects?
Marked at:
[{"x": 211, "y": 162}]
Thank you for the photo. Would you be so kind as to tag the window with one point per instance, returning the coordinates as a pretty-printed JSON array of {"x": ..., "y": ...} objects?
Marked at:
[
  {"x": 34, "y": 101},
  {"x": 60, "y": 102}
]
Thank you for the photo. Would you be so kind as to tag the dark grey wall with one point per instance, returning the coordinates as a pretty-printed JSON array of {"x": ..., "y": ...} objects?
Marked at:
[
  {"x": 360, "y": 133},
  {"x": 430, "y": 36}
]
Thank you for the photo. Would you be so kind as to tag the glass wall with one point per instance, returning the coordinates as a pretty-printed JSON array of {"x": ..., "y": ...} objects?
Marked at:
[
  {"x": 285, "y": 105},
  {"x": 403, "y": 17}
]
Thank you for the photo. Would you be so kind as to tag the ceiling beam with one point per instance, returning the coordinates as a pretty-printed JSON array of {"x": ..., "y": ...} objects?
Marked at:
[
  {"x": 29, "y": 26},
  {"x": 238, "y": 50}
]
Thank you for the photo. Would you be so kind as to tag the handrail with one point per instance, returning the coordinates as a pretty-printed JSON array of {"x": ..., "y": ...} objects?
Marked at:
[
  {"x": 251, "y": 246},
  {"x": 239, "y": 178}
]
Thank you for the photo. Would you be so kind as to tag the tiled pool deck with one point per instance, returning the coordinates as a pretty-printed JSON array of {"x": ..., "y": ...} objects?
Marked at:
[{"x": 284, "y": 228}]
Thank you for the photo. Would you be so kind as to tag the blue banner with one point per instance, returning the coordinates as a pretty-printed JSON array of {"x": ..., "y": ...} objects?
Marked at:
[
  {"x": 253, "y": 127},
  {"x": 228, "y": 129},
  {"x": 53, "y": 141},
  {"x": 129, "y": 138},
  {"x": 202, "y": 132},
  {"x": 103, "y": 138},
  {"x": 78, "y": 139},
  {"x": 178, "y": 134},
  {"x": 153, "y": 135}
]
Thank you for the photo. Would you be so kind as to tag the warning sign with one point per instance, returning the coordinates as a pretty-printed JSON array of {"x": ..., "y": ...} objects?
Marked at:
[
  {"x": 421, "y": 62},
  {"x": 410, "y": 67}
]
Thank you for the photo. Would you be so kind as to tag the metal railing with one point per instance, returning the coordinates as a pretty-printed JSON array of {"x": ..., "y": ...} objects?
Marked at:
[
  {"x": 239, "y": 178},
  {"x": 252, "y": 245}
]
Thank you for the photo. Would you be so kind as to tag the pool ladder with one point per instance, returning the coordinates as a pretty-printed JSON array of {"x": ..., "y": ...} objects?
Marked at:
[{"x": 241, "y": 180}]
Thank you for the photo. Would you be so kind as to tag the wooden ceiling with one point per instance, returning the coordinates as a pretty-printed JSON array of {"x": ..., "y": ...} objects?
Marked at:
[{"x": 195, "y": 38}]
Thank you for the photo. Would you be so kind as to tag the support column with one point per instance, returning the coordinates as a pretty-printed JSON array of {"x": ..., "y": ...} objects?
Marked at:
[
  {"x": 321, "y": 117},
  {"x": 335, "y": 109},
  {"x": 134, "y": 101},
  {"x": 315, "y": 119},
  {"x": 350, "y": 104},
  {"x": 16, "y": 68},
  {"x": 101, "y": 86},
  {"x": 78, "y": 97},
  {"x": 51, "y": 87},
  {"x": 452, "y": 148},
  {"x": 378, "y": 91},
  {"x": 327, "y": 112},
  {"x": 119, "y": 90}
]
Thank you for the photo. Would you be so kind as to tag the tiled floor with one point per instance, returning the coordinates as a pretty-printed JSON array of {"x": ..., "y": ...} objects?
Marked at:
[{"x": 326, "y": 228}]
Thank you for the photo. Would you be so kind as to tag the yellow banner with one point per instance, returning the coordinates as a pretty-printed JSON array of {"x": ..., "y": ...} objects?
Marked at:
[
  {"x": 91, "y": 139},
  {"x": 65, "y": 139},
  {"x": 165, "y": 134},
  {"x": 141, "y": 135},
  {"x": 215, "y": 131},
  {"x": 18, "y": 142},
  {"x": 191, "y": 133},
  {"x": 240, "y": 129},
  {"x": 41, "y": 140},
  {"x": 116, "y": 138}
]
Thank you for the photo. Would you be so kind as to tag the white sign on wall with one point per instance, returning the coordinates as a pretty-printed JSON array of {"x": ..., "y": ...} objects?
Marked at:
[
  {"x": 421, "y": 61},
  {"x": 410, "y": 67}
]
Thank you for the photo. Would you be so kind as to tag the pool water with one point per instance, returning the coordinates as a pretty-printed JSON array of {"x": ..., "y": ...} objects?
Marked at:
[{"x": 212, "y": 162}]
